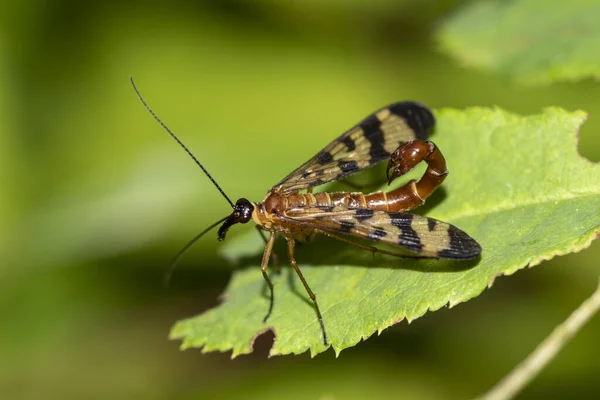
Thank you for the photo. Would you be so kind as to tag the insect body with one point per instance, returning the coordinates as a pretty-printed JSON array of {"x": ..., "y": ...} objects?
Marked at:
[{"x": 397, "y": 133}]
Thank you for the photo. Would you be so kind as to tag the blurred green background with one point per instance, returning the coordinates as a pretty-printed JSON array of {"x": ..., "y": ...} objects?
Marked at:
[{"x": 97, "y": 199}]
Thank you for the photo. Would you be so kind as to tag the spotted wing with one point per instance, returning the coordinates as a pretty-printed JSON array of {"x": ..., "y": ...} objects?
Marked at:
[
  {"x": 368, "y": 143},
  {"x": 425, "y": 236}
]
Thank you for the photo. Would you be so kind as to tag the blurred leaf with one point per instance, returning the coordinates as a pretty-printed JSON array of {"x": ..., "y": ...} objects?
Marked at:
[
  {"x": 6, "y": 142},
  {"x": 531, "y": 41},
  {"x": 517, "y": 186}
]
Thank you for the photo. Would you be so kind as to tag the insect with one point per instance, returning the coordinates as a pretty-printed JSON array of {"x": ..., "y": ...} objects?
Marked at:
[{"x": 397, "y": 133}]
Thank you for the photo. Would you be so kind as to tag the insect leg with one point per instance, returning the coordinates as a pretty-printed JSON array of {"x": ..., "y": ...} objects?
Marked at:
[
  {"x": 263, "y": 267},
  {"x": 273, "y": 254},
  {"x": 312, "y": 235},
  {"x": 313, "y": 297},
  {"x": 405, "y": 158}
]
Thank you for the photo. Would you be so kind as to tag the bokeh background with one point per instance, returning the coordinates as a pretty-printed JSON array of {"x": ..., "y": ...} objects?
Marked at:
[{"x": 96, "y": 198}]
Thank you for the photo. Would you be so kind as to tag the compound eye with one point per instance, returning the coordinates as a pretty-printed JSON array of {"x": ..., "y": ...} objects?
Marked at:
[
  {"x": 246, "y": 216},
  {"x": 243, "y": 211}
]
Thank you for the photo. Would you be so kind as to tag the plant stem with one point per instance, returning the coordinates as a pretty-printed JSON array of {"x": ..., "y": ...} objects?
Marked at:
[{"x": 523, "y": 373}]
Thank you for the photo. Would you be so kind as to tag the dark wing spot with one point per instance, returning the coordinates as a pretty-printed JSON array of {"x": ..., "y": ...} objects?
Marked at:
[
  {"x": 325, "y": 208},
  {"x": 363, "y": 213},
  {"x": 371, "y": 127},
  {"x": 346, "y": 226},
  {"x": 462, "y": 246},
  {"x": 417, "y": 116},
  {"x": 348, "y": 167},
  {"x": 349, "y": 143},
  {"x": 431, "y": 223},
  {"x": 317, "y": 182},
  {"x": 324, "y": 157},
  {"x": 408, "y": 238},
  {"x": 377, "y": 234}
]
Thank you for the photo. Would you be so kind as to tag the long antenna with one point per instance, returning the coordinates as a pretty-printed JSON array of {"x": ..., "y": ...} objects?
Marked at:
[
  {"x": 178, "y": 141},
  {"x": 169, "y": 272}
]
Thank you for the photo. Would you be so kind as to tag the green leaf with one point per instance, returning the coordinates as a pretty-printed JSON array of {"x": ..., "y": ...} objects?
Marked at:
[
  {"x": 531, "y": 41},
  {"x": 516, "y": 184}
]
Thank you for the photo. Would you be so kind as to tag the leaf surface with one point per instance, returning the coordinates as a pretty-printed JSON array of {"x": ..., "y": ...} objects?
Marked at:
[
  {"x": 517, "y": 185},
  {"x": 531, "y": 41}
]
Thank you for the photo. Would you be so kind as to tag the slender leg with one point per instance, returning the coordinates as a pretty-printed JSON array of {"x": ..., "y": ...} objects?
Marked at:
[
  {"x": 263, "y": 268},
  {"x": 273, "y": 254},
  {"x": 312, "y": 235},
  {"x": 313, "y": 297}
]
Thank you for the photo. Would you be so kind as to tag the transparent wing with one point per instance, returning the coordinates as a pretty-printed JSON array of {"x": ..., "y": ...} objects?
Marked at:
[
  {"x": 368, "y": 143},
  {"x": 425, "y": 236}
]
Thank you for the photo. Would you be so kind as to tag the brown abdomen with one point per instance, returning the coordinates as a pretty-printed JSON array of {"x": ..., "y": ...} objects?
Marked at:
[
  {"x": 400, "y": 199},
  {"x": 375, "y": 201}
]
